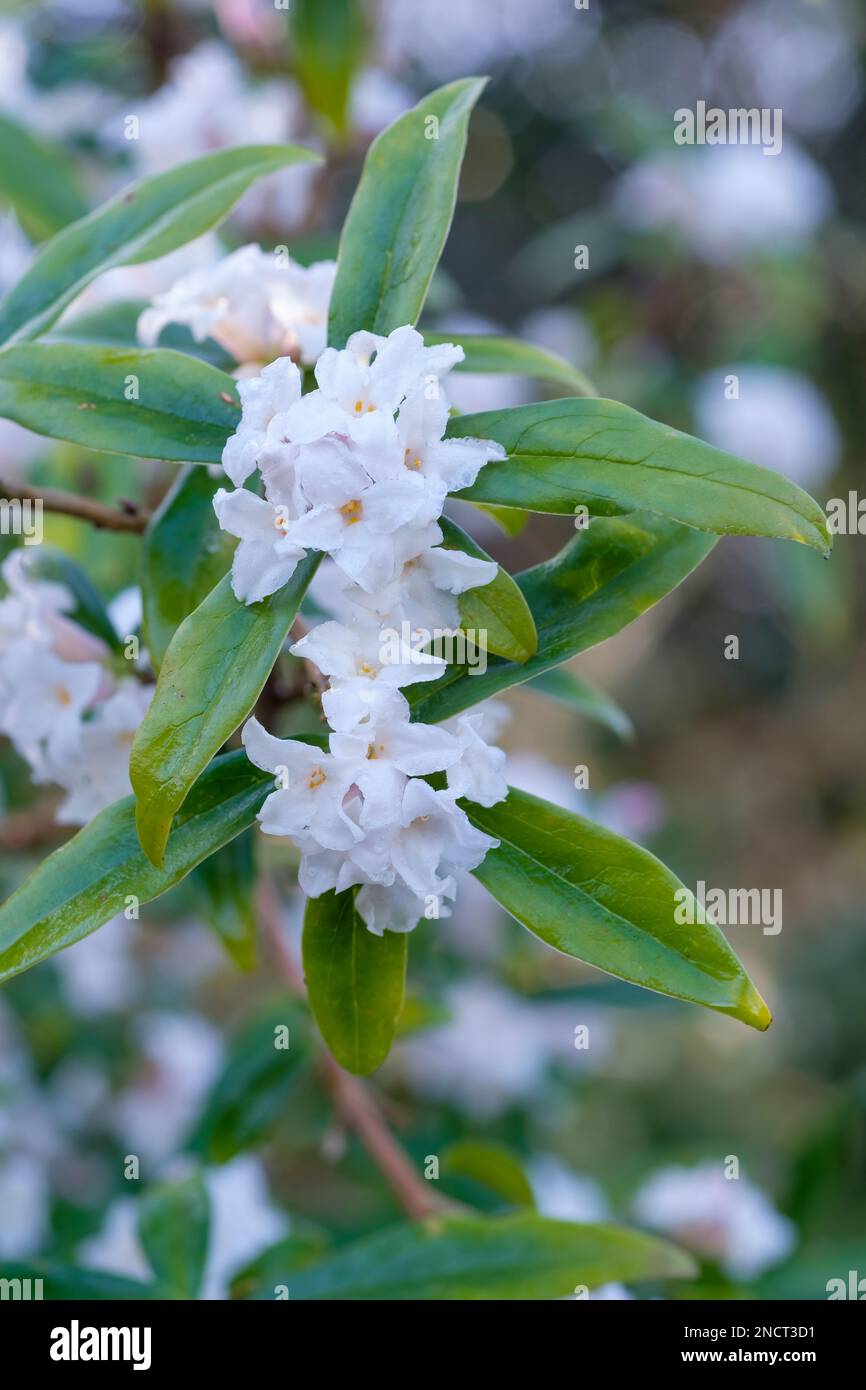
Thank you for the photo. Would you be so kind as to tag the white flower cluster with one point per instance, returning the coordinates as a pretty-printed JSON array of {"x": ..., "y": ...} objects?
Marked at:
[
  {"x": 256, "y": 304},
  {"x": 358, "y": 469},
  {"x": 59, "y": 704}
]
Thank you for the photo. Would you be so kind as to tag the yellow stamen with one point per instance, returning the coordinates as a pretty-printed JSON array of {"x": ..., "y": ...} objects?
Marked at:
[
  {"x": 352, "y": 511},
  {"x": 375, "y": 749},
  {"x": 365, "y": 669},
  {"x": 317, "y": 777},
  {"x": 63, "y": 695},
  {"x": 411, "y": 462},
  {"x": 359, "y": 407}
]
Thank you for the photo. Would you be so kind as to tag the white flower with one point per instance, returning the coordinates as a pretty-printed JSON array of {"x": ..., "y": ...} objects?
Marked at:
[
  {"x": 255, "y": 305},
  {"x": 364, "y": 668},
  {"x": 34, "y": 612},
  {"x": 434, "y": 834},
  {"x": 309, "y": 805},
  {"x": 424, "y": 589},
  {"x": 94, "y": 767},
  {"x": 368, "y": 527},
  {"x": 388, "y": 750},
  {"x": 455, "y": 462},
  {"x": 45, "y": 698},
  {"x": 728, "y": 1220},
  {"x": 263, "y": 398},
  {"x": 479, "y": 774},
  {"x": 356, "y": 480},
  {"x": 265, "y": 559},
  {"x": 374, "y": 373}
]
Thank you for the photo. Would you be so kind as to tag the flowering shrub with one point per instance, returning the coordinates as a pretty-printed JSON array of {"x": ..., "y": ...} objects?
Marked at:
[{"x": 329, "y": 416}]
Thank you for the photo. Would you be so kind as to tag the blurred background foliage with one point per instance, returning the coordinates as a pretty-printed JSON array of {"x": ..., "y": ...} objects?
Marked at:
[{"x": 702, "y": 262}]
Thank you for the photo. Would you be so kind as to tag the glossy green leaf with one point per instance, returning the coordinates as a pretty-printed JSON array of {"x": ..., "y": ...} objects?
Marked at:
[
  {"x": 95, "y": 874},
  {"x": 611, "y": 459},
  {"x": 184, "y": 555},
  {"x": 486, "y": 353},
  {"x": 142, "y": 222},
  {"x": 151, "y": 403},
  {"x": 493, "y": 1166},
  {"x": 496, "y": 614},
  {"x": 505, "y": 1257},
  {"x": 38, "y": 181},
  {"x": 329, "y": 41},
  {"x": 65, "y": 1283},
  {"x": 400, "y": 215},
  {"x": 355, "y": 981},
  {"x": 599, "y": 898},
  {"x": 585, "y": 699},
  {"x": 88, "y": 609},
  {"x": 266, "y": 1062},
  {"x": 173, "y": 1227},
  {"x": 224, "y": 886},
  {"x": 600, "y": 582},
  {"x": 212, "y": 674}
]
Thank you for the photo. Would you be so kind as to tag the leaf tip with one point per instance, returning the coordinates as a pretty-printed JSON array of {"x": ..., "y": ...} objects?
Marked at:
[{"x": 753, "y": 1010}]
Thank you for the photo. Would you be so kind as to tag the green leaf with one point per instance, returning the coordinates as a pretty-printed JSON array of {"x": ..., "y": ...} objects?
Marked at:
[
  {"x": 609, "y": 458},
  {"x": 355, "y": 981},
  {"x": 184, "y": 411},
  {"x": 504, "y": 1257},
  {"x": 224, "y": 885},
  {"x": 600, "y": 582},
  {"x": 184, "y": 556},
  {"x": 400, "y": 215},
  {"x": 262, "y": 1276},
  {"x": 212, "y": 674},
  {"x": 173, "y": 1227},
  {"x": 496, "y": 613},
  {"x": 115, "y": 324},
  {"x": 65, "y": 1283},
  {"x": 90, "y": 878},
  {"x": 578, "y": 695},
  {"x": 37, "y": 179},
  {"x": 329, "y": 41},
  {"x": 88, "y": 611},
  {"x": 599, "y": 898},
  {"x": 511, "y": 520},
  {"x": 141, "y": 223},
  {"x": 250, "y": 1096},
  {"x": 493, "y": 1166},
  {"x": 485, "y": 353}
]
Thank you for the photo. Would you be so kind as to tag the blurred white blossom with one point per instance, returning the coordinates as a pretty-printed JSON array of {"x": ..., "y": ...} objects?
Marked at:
[
  {"x": 728, "y": 1220},
  {"x": 779, "y": 419}
]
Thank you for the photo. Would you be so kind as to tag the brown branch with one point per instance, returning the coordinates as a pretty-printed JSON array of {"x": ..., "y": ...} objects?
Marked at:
[
  {"x": 355, "y": 1102},
  {"x": 34, "y": 826},
  {"x": 128, "y": 516}
]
